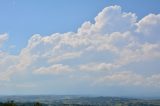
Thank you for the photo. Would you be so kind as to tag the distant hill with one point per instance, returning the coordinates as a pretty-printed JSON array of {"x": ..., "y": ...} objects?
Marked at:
[{"x": 69, "y": 100}]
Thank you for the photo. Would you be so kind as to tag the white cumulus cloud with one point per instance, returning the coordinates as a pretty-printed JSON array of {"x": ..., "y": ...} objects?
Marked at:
[{"x": 109, "y": 44}]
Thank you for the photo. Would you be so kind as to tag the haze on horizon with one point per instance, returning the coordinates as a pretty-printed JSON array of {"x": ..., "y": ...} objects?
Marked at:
[{"x": 108, "y": 48}]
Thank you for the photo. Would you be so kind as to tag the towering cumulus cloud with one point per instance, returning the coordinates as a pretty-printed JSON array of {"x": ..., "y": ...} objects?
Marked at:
[{"x": 115, "y": 50}]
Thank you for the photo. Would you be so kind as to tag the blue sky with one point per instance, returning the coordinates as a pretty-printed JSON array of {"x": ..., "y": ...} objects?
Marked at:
[{"x": 87, "y": 47}]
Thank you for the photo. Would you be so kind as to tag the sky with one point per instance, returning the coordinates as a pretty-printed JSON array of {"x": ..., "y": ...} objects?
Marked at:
[{"x": 85, "y": 47}]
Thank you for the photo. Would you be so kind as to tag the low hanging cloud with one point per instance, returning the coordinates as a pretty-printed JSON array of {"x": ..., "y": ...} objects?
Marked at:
[
  {"x": 128, "y": 78},
  {"x": 113, "y": 41},
  {"x": 55, "y": 69}
]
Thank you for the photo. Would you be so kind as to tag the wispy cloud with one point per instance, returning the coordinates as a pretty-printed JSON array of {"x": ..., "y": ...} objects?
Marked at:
[{"x": 3, "y": 38}]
